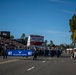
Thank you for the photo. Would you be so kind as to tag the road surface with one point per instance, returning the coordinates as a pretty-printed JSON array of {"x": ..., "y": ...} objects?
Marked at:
[{"x": 42, "y": 66}]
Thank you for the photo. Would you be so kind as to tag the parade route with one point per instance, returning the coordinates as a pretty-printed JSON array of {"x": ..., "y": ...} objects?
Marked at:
[{"x": 43, "y": 65}]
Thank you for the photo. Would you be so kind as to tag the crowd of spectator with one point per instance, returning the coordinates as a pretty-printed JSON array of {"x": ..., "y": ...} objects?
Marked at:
[{"x": 10, "y": 45}]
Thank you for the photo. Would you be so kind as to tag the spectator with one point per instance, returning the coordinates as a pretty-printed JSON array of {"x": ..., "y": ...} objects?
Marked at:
[{"x": 4, "y": 52}]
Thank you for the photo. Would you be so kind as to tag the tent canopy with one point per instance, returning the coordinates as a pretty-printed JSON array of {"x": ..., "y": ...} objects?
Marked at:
[{"x": 69, "y": 49}]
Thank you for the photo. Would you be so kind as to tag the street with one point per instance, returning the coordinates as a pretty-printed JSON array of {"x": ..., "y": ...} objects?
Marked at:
[{"x": 63, "y": 65}]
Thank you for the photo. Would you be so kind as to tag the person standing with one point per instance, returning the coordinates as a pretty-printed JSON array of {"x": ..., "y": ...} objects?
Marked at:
[
  {"x": 35, "y": 54},
  {"x": 75, "y": 54},
  {"x": 5, "y": 53}
]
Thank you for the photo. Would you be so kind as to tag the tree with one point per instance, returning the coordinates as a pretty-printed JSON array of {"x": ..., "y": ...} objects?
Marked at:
[
  {"x": 11, "y": 37},
  {"x": 23, "y": 36},
  {"x": 72, "y": 24},
  {"x": 62, "y": 46},
  {"x": 26, "y": 39},
  {"x": 51, "y": 43},
  {"x": 45, "y": 42}
]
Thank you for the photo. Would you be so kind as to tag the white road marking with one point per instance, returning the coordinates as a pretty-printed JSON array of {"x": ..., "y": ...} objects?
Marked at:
[
  {"x": 30, "y": 68},
  {"x": 8, "y": 61},
  {"x": 43, "y": 61}
]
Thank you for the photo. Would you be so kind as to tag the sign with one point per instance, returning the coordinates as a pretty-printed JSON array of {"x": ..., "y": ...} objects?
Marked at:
[
  {"x": 5, "y": 34},
  {"x": 19, "y": 52},
  {"x": 35, "y": 40}
]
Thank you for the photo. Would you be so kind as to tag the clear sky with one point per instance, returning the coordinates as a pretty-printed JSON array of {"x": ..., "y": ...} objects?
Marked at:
[{"x": 49, "y": 18}]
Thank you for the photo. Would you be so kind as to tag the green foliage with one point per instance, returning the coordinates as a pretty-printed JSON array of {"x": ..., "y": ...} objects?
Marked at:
[
  {"x": 72, "y": 24},
  {"x": 23, "y": 36},
  {"x": 51, "y": 43},
  {"x": 24, "y": 39},
  {"x": 11, "y": 37}
]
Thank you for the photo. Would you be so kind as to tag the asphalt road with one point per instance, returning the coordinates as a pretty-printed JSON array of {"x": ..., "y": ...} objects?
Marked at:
[{"x": 42, "y": 66}]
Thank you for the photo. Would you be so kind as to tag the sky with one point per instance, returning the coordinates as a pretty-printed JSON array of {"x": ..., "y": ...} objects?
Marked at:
[{"x": 49, "y": 18}]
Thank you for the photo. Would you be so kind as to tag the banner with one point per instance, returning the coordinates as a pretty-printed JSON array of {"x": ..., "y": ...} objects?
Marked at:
[{"x": 20, "y": 52}]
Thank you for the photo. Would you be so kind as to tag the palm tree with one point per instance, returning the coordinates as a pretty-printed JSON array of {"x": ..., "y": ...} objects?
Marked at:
[
  {"x": 23, "y": 36},
  {"x": 51, "y": 43}
]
